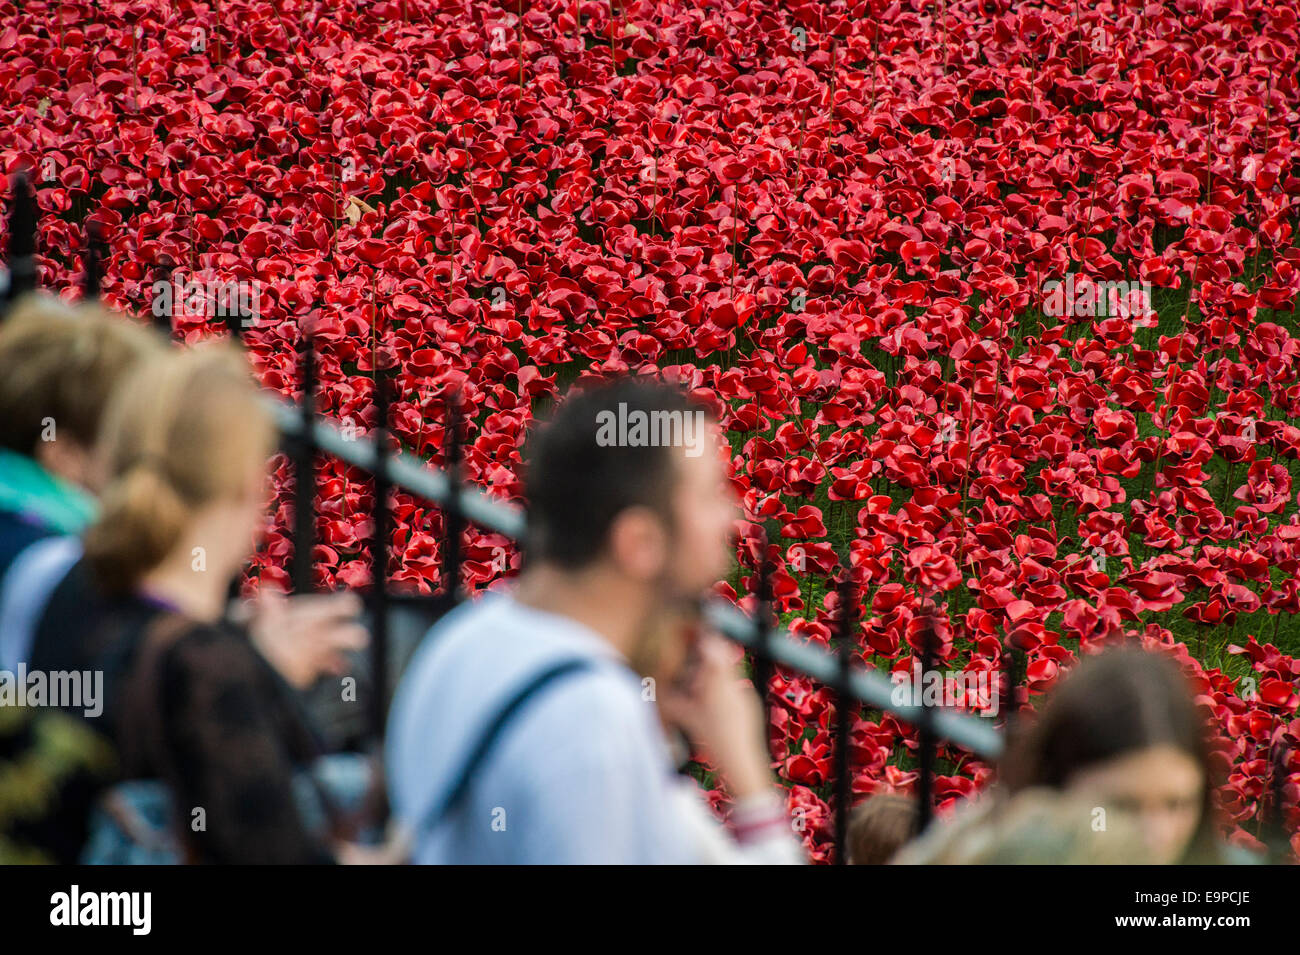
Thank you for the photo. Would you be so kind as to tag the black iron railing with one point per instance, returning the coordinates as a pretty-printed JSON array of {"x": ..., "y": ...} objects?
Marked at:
[
  {"x": 770, "y": 646},
  {"x": 307, "y": 435}
]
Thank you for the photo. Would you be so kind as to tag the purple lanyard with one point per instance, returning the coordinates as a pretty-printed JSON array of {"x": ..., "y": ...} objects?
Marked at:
[{"x": 156, "y": 602}]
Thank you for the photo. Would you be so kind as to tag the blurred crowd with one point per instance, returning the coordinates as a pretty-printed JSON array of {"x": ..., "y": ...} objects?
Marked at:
[{"x": 571, "y": 716}]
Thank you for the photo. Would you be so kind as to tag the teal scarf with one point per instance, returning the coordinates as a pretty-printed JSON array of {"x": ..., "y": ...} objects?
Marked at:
[{"x": 27, "y": 488}]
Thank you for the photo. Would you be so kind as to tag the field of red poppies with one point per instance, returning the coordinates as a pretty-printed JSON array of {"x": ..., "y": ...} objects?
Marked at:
[{"x": 997, "y": 300}]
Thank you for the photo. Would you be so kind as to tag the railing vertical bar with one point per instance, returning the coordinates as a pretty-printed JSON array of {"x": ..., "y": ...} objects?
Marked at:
[
  {"x": 846, "y": 704},
  {"x": 379, "y": 546},
  {"x": 304, "y": 515},
  {"x": 453, "y": 515},
  {"x": 928, "y": 743},
  {"x": 1277, "y": 841},
  {"x": 23, "y": 215},
  {"x": 92, "y": 277},
  {"x": 1011, "y": 681},
  {"x": 163, "y": 306},
  {"x": 235, "y": 316},
  {"x": 763, "y": 667}
]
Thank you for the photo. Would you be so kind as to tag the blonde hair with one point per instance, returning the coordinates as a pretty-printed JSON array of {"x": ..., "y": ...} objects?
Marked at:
[
  {"x": 61, "y": 363},
  {"x": 190, "y": 430},
  {"x": 880, "y": 826}
]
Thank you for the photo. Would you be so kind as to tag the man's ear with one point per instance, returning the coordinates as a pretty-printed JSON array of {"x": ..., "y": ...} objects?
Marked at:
[
  {"x": 638, "y": 544},
  {"x": 69, "y": 460}
]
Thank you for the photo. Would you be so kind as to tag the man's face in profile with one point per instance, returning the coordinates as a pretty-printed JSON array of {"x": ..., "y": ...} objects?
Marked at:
[{"x": 704, "y": 513}]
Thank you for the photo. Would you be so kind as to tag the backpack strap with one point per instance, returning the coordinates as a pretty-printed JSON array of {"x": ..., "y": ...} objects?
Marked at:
[{"x": 483, "y": 748}]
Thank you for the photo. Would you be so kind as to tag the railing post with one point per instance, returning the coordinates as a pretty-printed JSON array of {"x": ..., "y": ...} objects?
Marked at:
[
  {"x": 379, "y": 562},
  {"x": 304, "y": 463},
  {"x": 234, "y": 587},
  {"x": 845, "y": 708},
  {"x": 453, "y": 517},
  {"x": 161, "y": 309},
  {"x": 1010, "y": 678},
  {"x": 91, "y": 279},
  {"x": 763, "y": 633},
  {"x": 928, "y": 743},
  {"x": 234, "y": 315},
  {"x": 1276, "y": 836},
  {"x": 22, "y": 239}
]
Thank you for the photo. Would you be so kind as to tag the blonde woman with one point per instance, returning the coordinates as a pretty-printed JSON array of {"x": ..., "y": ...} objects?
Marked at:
[{"x": 191, "y": 699}]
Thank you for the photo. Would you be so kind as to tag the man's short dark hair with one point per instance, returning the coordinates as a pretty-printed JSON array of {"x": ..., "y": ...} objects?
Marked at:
[{"x": 577, "y": 481}]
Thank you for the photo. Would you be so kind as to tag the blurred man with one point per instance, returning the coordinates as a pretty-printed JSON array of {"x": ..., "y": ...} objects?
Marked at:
[{"x": 522, "y": 731}]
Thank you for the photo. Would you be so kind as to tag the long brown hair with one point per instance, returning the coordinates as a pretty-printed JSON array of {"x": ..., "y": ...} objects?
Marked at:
[
  {"x": 1112, "y": 704},
  {"x": 189, "y": 430}
]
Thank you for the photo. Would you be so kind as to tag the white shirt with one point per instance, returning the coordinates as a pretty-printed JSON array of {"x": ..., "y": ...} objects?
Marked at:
[
  {"x": 582, "y": 774},
  {"x": 771, "y": 843}
]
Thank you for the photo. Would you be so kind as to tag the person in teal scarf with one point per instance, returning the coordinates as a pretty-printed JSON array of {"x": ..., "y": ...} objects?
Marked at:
[
  {"x": 37, "y": 495},
  {"x": 58, "y": 366}
]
